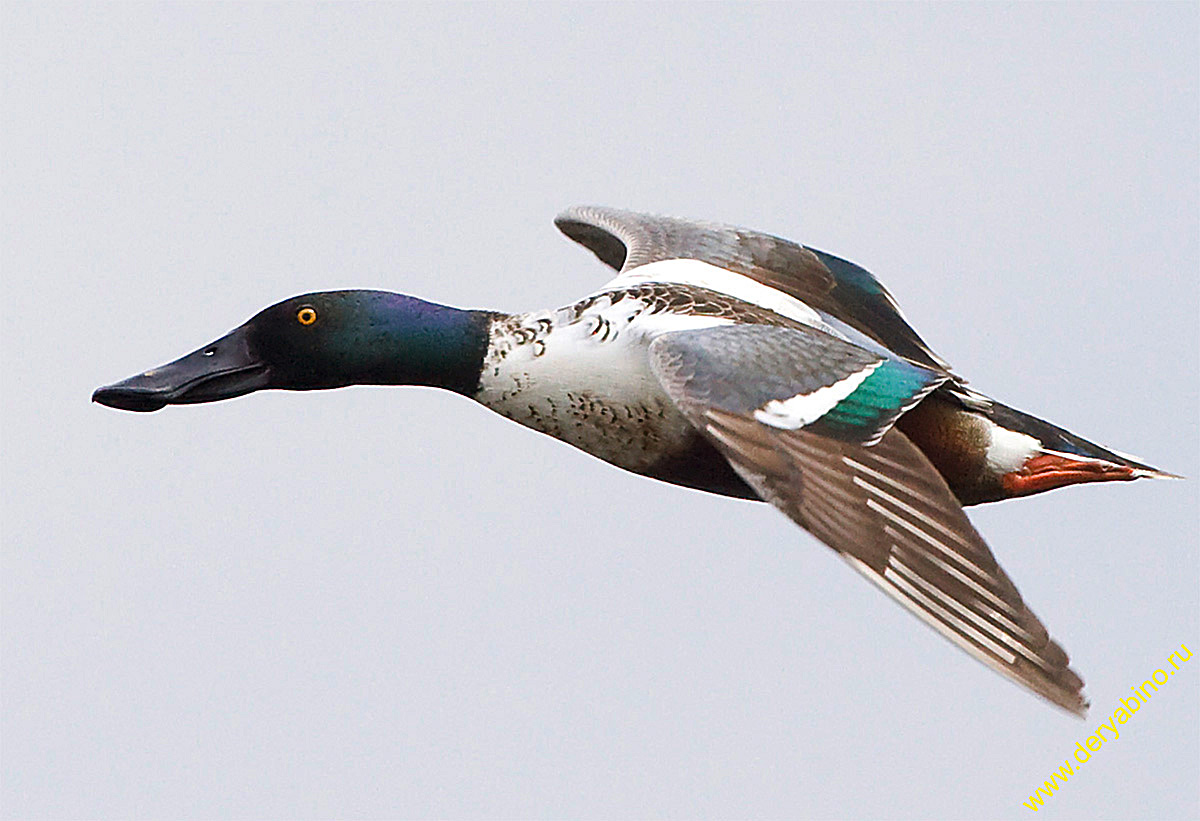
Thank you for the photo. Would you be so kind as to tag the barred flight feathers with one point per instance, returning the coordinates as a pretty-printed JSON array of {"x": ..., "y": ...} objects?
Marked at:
[{"x": 876, "y": 500}]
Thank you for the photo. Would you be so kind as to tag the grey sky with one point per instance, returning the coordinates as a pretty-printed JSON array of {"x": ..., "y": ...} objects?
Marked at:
[{"x": 391, "y": 603}]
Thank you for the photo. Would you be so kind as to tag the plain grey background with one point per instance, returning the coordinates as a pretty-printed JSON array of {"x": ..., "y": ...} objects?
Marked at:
[{"x": 382, "y": 602}]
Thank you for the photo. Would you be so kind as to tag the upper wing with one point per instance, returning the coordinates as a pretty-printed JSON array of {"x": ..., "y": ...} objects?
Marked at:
[
  {"x": 627, "y": 240},
  {"x": 882, "y": 506}
]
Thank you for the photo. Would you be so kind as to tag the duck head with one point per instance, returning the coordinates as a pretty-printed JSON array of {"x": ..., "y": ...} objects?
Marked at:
[{"x": 321, "y": 340}]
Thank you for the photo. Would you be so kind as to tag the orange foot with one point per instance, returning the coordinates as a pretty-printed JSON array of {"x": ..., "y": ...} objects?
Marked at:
[{"x": 1050, "y": 470}]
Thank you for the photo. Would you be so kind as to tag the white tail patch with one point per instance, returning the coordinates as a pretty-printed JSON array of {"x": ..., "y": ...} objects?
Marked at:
[{"x": 1008, "y": 450}]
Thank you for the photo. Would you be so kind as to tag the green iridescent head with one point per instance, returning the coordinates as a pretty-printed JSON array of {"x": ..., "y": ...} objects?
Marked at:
[{"x": 322, "y": 340}]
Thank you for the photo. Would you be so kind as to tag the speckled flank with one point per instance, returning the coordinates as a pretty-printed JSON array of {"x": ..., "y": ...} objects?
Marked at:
[{"x": 581, "y": 374}]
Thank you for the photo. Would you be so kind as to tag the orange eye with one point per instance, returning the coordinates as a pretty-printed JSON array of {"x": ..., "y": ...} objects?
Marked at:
[{"x": 306, "y": 315}]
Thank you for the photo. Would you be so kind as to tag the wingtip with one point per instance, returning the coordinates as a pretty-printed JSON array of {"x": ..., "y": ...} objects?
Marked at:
[{"x": 1077, "y": 707}]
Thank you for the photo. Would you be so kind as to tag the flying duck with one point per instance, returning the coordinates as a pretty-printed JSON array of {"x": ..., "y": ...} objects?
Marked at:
[{"x": 729, "y": 361}]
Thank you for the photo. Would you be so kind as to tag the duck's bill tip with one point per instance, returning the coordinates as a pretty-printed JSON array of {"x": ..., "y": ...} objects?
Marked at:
[
  {"x": 114, "y": 396},
  {"x": 222, "y": 370},
  {"x": 144, "y": 394}
]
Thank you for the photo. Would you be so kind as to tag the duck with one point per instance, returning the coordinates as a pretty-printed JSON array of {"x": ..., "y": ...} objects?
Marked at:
[{"x": 728, "y": 361}]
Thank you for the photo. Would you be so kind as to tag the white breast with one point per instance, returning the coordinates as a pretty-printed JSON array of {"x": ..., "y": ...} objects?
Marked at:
[{"x": 587, "y": 380}]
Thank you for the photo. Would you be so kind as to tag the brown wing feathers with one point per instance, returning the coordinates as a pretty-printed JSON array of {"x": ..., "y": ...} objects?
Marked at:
[{"x": 890, "y": 515}]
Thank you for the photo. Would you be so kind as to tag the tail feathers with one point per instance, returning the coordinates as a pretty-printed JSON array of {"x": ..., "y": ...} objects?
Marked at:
[{"x": 1060, "y": 443}]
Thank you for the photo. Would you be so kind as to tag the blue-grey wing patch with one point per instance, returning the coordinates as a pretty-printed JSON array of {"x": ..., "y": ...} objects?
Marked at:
[
  {"x": 883, "y": 507},
  {"x": 791, "y": 378},
  {"x": 625, "y": 240}
]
